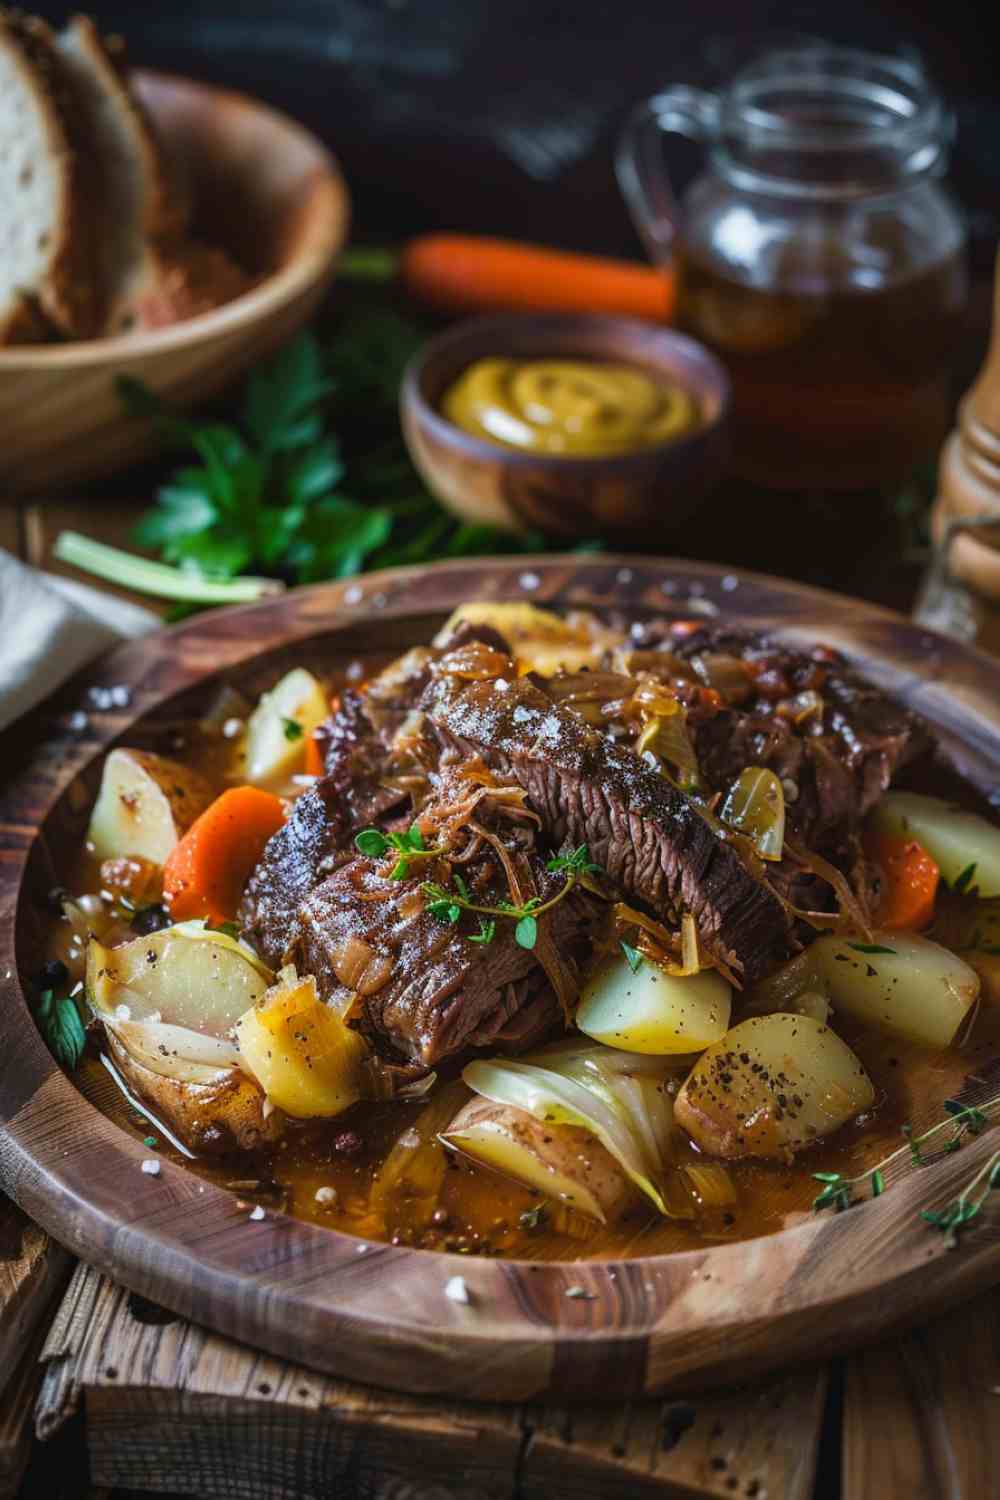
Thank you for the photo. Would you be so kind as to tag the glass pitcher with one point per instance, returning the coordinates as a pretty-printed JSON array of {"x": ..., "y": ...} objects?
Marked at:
[{"x": 818, "y": 255}]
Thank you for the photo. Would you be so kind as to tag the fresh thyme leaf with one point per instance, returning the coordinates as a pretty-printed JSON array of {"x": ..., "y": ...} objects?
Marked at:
[
  {"x": 371, "y": 843},
  {"x": 487, "y": 931},
  {"x": 415, "y": 837},
  {"x": 400, "y": 869},
  {"x": 870, "y": 948},
  {"x": 526, "y": 932},
  {"x": 632, "y": 955},
  {"x": 576, "y": 863},
  {"x": 292, "y": 728},
  {"x": 462, "y": 888},
  {"x": 964, "y": 880},
  {"x": 878, "y": 1183}
]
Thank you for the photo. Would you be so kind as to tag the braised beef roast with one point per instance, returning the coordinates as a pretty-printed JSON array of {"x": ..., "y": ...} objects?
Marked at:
[
  {"x": 650, "y": 839},
  {"x": 401, "y": 745}
]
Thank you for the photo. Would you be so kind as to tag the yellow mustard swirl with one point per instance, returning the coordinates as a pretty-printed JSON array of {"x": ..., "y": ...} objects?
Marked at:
[{"x": 571, "y": 407}]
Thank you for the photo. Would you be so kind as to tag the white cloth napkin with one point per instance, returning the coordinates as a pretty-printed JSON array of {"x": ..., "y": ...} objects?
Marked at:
[{"x": 49, "y": 627}]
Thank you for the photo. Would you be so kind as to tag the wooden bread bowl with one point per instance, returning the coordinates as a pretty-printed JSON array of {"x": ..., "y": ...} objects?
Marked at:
[{"x": 263, "y": 188}]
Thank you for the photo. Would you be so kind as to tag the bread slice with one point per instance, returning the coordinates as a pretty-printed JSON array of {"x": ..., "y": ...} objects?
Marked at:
[
  {"x": 47, "y": 242},
  {"x": 138, "y": 205}
]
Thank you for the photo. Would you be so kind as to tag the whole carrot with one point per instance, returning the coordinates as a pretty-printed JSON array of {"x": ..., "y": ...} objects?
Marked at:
[{"x": 458, "y": 273}]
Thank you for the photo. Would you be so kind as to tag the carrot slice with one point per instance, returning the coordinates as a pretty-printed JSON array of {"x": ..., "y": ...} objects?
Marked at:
[
  {"x": 909, "y": 881},
  {"x": 314, "y": 757},
  {"x": 207, "y": 869}
]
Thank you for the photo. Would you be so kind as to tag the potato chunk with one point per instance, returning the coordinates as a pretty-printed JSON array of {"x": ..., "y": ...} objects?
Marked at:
[
  {"x": 307, "y": 1061},
  {"x": 279, "y": 728},
  {"x": 773, "y": 1085},
  {"x": 144, "y": 805},
  {"x": 902, "y": 983},
  {"x": 647, "y": 1010}
]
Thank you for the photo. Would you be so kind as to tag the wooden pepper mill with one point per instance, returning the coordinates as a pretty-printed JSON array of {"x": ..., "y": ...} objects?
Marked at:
[{"x": 961, "y": 594}]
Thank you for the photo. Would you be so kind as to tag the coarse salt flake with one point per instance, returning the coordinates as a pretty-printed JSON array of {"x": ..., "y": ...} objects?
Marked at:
[
  {"x": 326, "y": 1195},
  {"x": 529, "y": 581},
  {"x": 232, "y": 728},
  {"x": 456, "y": 1290},
  {"x": 257, "y": 1214},
  {"x": 151, "y": 1167}
]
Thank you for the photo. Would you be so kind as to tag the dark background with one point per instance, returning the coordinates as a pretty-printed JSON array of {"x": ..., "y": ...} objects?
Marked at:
[{"x": 498, "y": 115}]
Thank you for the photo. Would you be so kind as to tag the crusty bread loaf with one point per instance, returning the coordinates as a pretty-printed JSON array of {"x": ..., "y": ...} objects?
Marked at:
[
  {"x": 47, "y": 244},
  {"x": 137, "y": 204}
]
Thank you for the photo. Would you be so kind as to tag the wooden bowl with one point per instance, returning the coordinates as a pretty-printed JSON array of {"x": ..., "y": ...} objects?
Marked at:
[
  {"x": 643, "y": 494},
  {"x": 377, "y": 1312},
  {"x": 263, "y": 188}
]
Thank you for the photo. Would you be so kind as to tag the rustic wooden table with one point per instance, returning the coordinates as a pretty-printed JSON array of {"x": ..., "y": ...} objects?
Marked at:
[{"x": 99, "y": 1388}]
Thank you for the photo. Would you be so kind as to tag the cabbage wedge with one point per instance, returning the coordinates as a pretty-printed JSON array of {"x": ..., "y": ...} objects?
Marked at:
[{"x": 621, "y": 1098}]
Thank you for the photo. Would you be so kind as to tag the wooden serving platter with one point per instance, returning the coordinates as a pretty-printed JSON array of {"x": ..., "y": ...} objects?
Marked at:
[{"x": 379, "y": 1313}]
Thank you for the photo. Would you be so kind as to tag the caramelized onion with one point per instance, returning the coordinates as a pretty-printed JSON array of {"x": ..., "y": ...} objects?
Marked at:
[
  {"x": 728, "y": 675},
  {"x": 360, "y": 968},
  {"x": 475, "y": 662},
  {"x": 755, "y": 805}
]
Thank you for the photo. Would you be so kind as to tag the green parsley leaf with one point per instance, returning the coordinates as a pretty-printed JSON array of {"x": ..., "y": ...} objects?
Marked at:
[
  {"x": 61, "y": 1028},
  {"x": 526, "y": 932},
  {"x": 371, "y": 843},
  {"x": 878, "y": 1183},
  {"x": 415, "y": 839},
  {"x": 870, "y": 948},
  {"x": 293, "y": 729},
  {"x": 632, "y": 955},
  {"x": 487, "y": 931}
]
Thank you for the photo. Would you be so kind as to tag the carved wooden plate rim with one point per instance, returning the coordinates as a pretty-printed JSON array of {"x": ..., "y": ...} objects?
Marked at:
[{"x": 380, "y": 1313}]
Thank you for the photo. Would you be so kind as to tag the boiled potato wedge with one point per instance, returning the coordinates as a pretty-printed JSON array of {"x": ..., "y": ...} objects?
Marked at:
[
  {"x": 957, "y": 841},
  {"x": 901, "y": 982},
  {"x": 565, "y": 1162},
  {"x": 307, "y": 1061},
  {"x": 186, "y": 975},
  {"x": 773, "y": 1085},
  {"x": 647, "y": 1010},
  {"x": 279, "y": 728},
  {"x": 144, "y": 805},
  {"x": 225, "y": 1114}
]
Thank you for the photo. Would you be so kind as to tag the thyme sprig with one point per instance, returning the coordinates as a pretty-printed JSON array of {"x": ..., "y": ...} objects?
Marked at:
[
  {"x": 961, "y": 1122},
  {"x": 409, "y": 846},
  {"x": 447, "y": 903}
]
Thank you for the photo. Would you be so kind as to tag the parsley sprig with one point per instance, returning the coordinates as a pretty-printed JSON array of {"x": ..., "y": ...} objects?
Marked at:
[
  {"x": 310, "y": 480},
  {"x": 962, "y": 1121},
  {"x": 447, "y": 903}
]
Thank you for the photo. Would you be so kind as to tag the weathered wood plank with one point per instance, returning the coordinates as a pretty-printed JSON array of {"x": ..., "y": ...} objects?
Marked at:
[
  {"x": 922, "y": 1414},
  {"x": 170, "y": 1406},
  {"x": 32, "y": 1268},
  {"x": 17, "y": 1404}
]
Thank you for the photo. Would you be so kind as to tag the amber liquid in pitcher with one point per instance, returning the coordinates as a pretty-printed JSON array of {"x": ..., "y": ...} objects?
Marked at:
[{"x": 836, "y": 386}]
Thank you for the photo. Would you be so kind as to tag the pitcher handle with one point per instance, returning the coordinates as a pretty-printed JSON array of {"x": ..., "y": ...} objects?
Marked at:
[{"x": 639, "y": 164}]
